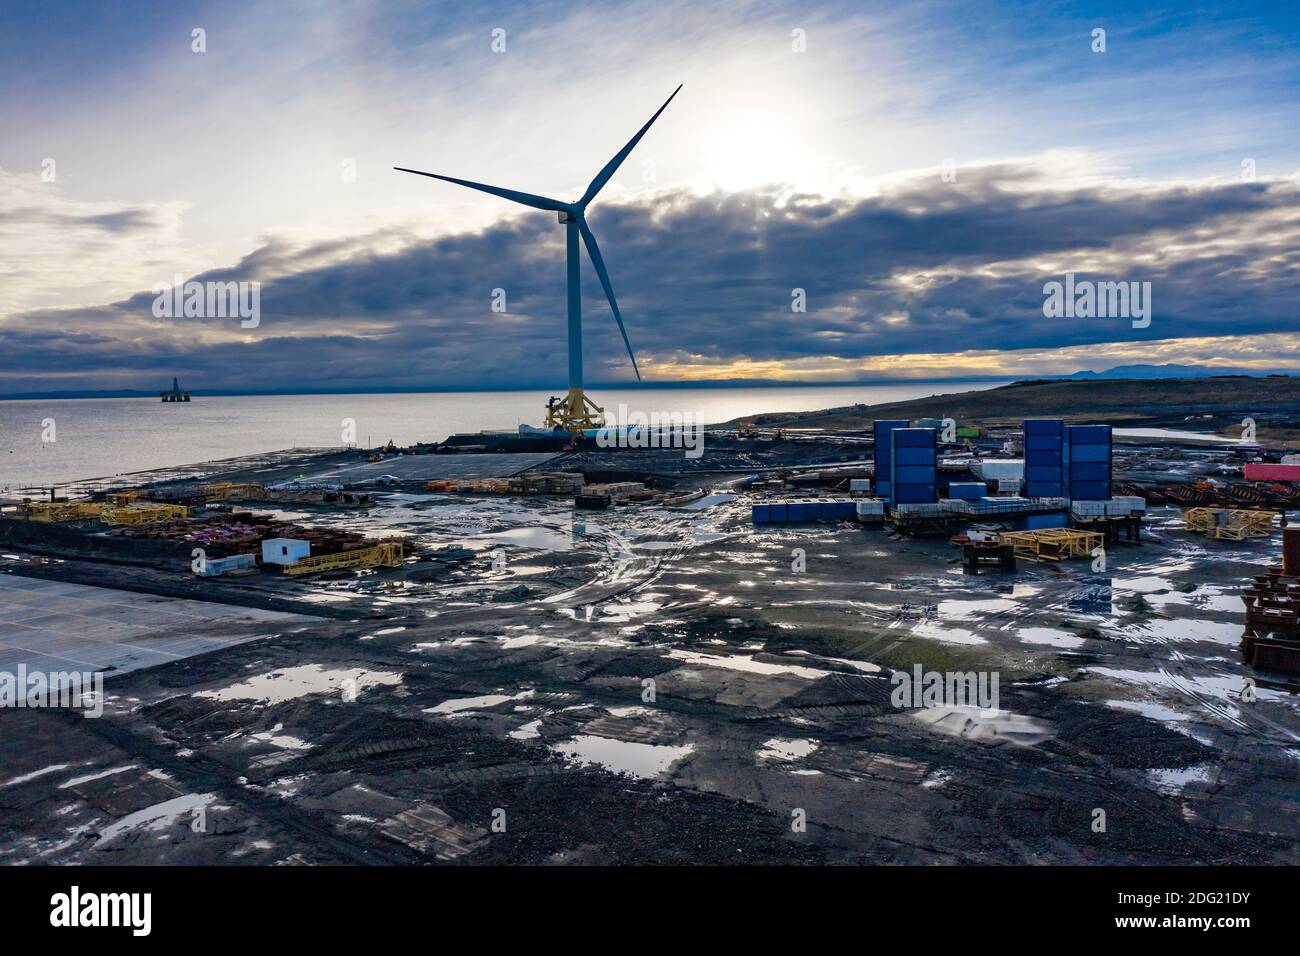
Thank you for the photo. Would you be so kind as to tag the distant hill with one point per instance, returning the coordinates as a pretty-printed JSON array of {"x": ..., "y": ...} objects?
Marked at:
[
  {"x": 1165, "y": 401},
  {"x": 1175, "y": 371}
]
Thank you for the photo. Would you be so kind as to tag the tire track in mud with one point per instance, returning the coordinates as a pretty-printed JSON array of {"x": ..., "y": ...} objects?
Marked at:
[
  {"x": 625, "y": 572},
  {"x": 200, "y": 773}
]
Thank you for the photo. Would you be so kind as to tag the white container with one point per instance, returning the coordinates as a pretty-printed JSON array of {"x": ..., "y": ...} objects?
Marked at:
[
  {"x": 859, "y": 484},
  {"x": 215, "y": 567},
  {"x": 1123, "y": 504},
  {"x": 872, "y": 509},
  {"x": 993, "y": 469},
  {"x": 285, "y": 550},
  {"x": 922, "y": 508}
]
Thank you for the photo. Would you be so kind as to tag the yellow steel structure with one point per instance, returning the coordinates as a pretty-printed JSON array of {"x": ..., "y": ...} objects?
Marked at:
[
  {"x": 125, "y": 497},
  {"x": 574, "y": 412},
  {"x": 1052, "y": 544},
  {"x": 58, "y": 511},
  {"x": 230, "y": 490},
  {"x": 142, "y": 514},
  {"x": 386, "y": 554},
  {"x": 55, "y": 511},
  {"x": 1231, "y": 524}
]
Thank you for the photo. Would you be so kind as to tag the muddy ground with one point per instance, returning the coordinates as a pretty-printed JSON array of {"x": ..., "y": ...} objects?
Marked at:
[{"x": 654, "y": 685}]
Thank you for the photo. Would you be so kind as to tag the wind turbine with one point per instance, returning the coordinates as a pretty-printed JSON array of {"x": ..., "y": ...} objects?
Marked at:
[{"x": 575, "y": 412}]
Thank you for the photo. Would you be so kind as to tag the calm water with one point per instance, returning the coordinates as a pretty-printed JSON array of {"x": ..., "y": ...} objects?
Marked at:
[{"x": 102, "y": 437}]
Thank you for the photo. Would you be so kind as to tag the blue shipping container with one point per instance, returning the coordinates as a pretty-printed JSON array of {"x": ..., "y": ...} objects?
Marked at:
[
  {"x": 908, "y": 455},
  {"x": 761, "y": 514},
  {"x": 1089, "y": 452},
  {"x": 1051, "y": 458},
  {"x": 913, "y": 474},
  {"x": 1090, "y": 491},
  {"x": 967, "y": 490},
  {"x": 914, "y": 494},
  {"x": 913, "y": 437},
  {"x": 1089, "y": 471},
  {"x": 1041, "y": 426},
  {"x": 1036, "y": 522},
  {"x": 1090, "y": 434},
  {"x": 778, "y": 512},
  {"x": 882, "y": 452}
]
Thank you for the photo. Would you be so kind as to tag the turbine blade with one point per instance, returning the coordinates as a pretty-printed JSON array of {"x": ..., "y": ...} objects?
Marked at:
[
  {"x": 611, "y": 167},
  {"x": 593, "y": 250},
  {"x": 527, "y": 199}
]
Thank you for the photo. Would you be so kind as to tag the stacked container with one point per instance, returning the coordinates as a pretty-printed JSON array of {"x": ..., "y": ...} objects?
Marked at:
[
  {"x": 814, "y": 509},
  {"x": 1087, "y": 462},
  {"x": 912, "y": 479},
  {"x": 1044, "y": 457},
  {"x": 967, "y": 490},
  {"x": 882, "y": 453}
]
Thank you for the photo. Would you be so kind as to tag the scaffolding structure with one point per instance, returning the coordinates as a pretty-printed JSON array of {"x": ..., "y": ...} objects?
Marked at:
[
  {"x": 1230, "y": 524},
  {"x": 386, "y": 554},
  {"x": 1052, "y": 544}
]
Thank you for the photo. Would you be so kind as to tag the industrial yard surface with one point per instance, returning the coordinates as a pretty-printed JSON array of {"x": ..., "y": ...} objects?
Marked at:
[{"x": 648, "y": 684}]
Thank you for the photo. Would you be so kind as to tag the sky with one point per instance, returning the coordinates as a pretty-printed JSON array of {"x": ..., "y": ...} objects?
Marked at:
[{"x": 913, "y": 175}]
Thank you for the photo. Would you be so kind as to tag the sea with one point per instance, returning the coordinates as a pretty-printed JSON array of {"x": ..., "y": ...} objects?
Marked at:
[{"x": 46, "y": 442}]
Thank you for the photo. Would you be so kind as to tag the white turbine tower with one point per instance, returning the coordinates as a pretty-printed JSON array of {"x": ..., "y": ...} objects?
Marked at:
[{"x": 575, "y": 412}]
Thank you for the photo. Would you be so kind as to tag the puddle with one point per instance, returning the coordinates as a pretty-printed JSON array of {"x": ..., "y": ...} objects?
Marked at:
[
  {"x": 985, "y": 726},
  {"x": 621, "y": 756},
  {"x": 1049, "y": 636},
  {"x": 158, "y": 817},
  {"x": 77, "y": 781},
  {"x": 283, "y": 741},
  {"x": 786, "y": 749},
  {"x": 745, "y": 664},
  {"x": 865, "y": 666},
  {"x": 1186, "y": 629},
  {"x": 1173, "y": 782},
  {"x": 708, "y": 501},
  {"x": 1205, "y": 597},
  {"x": 949, "y": 635},
  {"x": 974, "y": 610},
  {"x": 542, "y": 538},
  {"x": 458, "y": 704},
  {"x": 636, "y": 711},
  {"x": 529, "y": 731},
  {"x": 1156, "y": 712},
  {"x": 35, "y": 774},
  {"x": 294, "y": 682}
]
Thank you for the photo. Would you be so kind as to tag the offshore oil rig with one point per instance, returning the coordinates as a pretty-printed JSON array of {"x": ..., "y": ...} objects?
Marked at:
[{"x": 175, "y": 393}]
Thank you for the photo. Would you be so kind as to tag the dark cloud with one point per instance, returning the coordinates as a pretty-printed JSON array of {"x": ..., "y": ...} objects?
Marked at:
[
  {"x": 712, "y": 276},
  {"x": 118, "y": 222}
]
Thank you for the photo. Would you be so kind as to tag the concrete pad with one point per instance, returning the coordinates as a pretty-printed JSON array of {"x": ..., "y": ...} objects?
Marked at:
[
  {"x": 50, "y": 625},
  {"x": 429, "y": 467}
]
